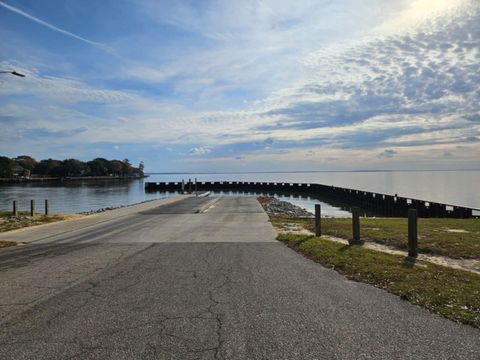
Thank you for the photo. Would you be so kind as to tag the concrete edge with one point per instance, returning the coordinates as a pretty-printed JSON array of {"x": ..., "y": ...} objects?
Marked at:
[{"x": 158, "y": 202}]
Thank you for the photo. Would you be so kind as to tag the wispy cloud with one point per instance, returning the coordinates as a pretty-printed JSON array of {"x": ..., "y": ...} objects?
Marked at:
[
  {"x": 265, "y": 82},
  {"x": 50, "y": 26}
]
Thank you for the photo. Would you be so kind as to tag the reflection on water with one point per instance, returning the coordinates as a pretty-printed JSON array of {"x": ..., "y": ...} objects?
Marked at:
[
  {"x": 452, "y": 187},
  {"x": 75, "y": 197}
]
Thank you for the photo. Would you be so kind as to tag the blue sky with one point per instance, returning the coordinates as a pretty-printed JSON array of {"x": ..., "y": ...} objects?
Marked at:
[{"x": 244, "y": 85}]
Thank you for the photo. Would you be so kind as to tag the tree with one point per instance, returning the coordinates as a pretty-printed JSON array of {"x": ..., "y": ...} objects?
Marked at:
[
  {"x": 127, "y": 168},
  {"x": 27, "y": 162},
  {"x": 98, "y": 167},
  {"x": 6, "y": 167},
  {"x": 71, "y": 168},
  {"x": 47, "y": 167},
  {"x": 24, "y": 164},
  {"x": 115, "y": 167}
]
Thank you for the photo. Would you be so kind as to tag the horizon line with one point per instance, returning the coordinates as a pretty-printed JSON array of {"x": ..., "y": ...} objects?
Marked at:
[{"x": 297, "y": 171}]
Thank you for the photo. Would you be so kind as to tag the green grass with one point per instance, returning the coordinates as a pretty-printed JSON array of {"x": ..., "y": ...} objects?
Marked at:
[
  {"x": 452, "y": 293},
  {"x": 433, "y": 235}
]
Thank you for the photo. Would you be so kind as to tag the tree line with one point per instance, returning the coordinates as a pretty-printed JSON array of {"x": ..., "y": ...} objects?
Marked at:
[{"x": 26, "y": 166}]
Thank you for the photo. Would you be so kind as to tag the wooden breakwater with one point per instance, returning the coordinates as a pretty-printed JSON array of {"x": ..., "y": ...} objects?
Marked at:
[{"x": 382, "y": 204}]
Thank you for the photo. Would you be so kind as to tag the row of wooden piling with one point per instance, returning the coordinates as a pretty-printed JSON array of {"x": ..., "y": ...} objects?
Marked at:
[
  {"x": 412, "y": 228},
  {"x": 384, "y": 204},
  {"x": 15, "y": 209}
]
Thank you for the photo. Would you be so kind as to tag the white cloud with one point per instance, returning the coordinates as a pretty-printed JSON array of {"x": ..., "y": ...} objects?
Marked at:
[
  {"x": 201, "y": 150},
  {"x": 414, "y": 89}
]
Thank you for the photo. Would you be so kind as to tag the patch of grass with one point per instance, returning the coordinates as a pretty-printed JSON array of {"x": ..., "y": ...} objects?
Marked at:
[
  {"x": 4, "y": 243},
  {"x": 9, "y": 222},
  {"x": 8, "y": 213},
  {"x": 452, "y": 293},
  {"x": 435, "y": 236},
  {"x": 280, "y": 221}
]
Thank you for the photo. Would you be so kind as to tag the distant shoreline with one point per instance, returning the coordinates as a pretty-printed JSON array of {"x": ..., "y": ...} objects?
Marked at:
[{"x": 67, "y": 179}]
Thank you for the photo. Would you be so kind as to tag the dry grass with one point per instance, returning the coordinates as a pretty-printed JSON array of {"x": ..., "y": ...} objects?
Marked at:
[{"x": 9, "y": 222}]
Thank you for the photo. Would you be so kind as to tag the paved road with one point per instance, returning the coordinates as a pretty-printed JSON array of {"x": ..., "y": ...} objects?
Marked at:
[{"x": 198, "y": 279}]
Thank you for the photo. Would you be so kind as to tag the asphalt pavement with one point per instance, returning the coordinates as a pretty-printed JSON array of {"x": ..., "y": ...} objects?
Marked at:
[{"x": 198, "y": 278}]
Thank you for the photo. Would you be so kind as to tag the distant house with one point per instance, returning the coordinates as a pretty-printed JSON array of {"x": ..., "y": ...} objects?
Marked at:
[{"x": 18, "y": 171}]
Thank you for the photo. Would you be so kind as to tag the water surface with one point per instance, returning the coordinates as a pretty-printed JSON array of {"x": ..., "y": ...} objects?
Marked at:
[{"x": 451, "y": 187}]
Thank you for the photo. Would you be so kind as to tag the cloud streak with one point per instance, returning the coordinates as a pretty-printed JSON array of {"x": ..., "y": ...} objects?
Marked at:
[{"x": 52, "y": 27}]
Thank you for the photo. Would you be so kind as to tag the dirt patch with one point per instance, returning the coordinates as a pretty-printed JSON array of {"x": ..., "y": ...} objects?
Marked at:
[
  {"x": 294, "y": 228},
  {"x": 458, "y": 231}
]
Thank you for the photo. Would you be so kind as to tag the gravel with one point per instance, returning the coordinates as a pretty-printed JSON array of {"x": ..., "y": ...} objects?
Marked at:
[
  {"x": 275, "y": 207},
  {"x": 108, "y": 208}
]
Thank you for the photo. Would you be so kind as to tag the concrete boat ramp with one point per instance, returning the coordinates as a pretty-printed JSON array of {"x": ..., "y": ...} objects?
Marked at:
[{"x": 198, "y": 278}]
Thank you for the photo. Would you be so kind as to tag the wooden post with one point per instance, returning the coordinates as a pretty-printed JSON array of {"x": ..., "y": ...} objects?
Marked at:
[
  {"x": 189, "y": 186},
  {"x": 32, "y": 207},
  {"x": 183, "y": 186},
  {"x": 412, "y": 232},
  {"x": 46, "y": 207},
  {"x": 318, "y": 228},
  {"x": 195, "y": 184},
  {"x": 15, "y": 208},
  {"x": 356, "y": 224}
]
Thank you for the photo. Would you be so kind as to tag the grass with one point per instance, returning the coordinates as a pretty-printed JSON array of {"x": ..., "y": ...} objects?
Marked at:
[
  {"x": 434, "y": 235},
  {"x": 452, "y": 293},
  {"x": 9, "y": 222},
  {"x": 4, "y": 243}
]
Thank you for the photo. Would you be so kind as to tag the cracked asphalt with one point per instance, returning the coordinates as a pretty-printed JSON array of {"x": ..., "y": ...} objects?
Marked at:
[{"x": 199, "y": 278}]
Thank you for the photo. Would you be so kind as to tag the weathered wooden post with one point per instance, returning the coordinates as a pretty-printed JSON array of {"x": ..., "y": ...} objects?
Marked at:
[
  {"x": 46, "y": 207},
  {"x": 195, "y": 184},
  {"x": 15, "y": 208},
  {"x": 356, "y": 224},
  {"x": 412, "y": 232},
  {"x": 183, "y": 186},
  {"x": 32, "y": 207},
  {"x": 318, "y": 227},
  {"x": 189, "y": 186}
]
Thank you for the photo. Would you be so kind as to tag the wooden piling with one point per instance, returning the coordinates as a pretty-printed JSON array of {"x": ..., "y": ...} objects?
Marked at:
[
  {"x": 412, "y": 232},
  {"x": 318, "y": 227},
  {"x": 15, "y": 208},
  {"x": 32, "y": 207}
]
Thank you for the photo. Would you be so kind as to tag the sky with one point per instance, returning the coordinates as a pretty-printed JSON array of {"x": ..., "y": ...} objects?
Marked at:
[{"x": 253, "y": 85}]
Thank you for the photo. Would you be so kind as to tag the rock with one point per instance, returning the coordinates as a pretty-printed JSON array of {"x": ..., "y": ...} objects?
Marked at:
[
  {"x": 276, "y": 207},
  {"x": 108, "y": 208}
]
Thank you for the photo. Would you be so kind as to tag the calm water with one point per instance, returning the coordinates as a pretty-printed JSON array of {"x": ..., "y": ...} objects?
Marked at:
[{"x": 451, "y": 187}]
